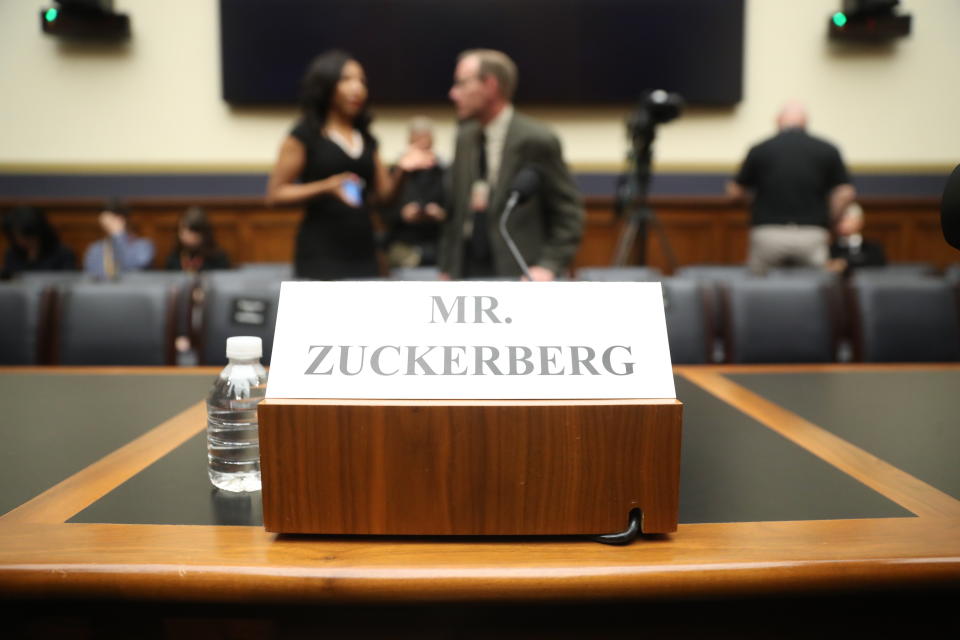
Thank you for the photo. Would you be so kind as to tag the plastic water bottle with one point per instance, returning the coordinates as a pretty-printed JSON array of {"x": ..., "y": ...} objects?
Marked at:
[{"x": 233, "y": 439}]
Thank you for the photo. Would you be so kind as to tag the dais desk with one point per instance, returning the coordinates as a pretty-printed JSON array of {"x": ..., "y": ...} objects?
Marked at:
[{"x": 796, "y": 481}]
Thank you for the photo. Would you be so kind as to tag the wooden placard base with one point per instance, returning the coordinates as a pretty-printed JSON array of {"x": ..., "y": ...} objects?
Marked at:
[{"x": 469, "y": 467}]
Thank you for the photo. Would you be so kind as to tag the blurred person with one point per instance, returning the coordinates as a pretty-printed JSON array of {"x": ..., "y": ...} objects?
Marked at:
[
  {"x": 33, "y": 245},
  {"x": 849, "y": 250},
  {"x": 120, "y": 251},
  {"x": 799, "y": 185},
  {"x": 196, "y": 248},
  {"x": 330, "y": 163},
  {"x": 413, "y": 223},
  {"x": 494, "y": 143}
]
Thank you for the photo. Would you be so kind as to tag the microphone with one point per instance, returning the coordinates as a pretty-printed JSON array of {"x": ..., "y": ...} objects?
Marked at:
[
  {"x": 524, "y": 185},
  {"x": 950, "y": 209}
]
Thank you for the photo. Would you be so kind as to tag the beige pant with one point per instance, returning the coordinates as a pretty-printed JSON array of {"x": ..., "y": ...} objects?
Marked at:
[{"x": 774, "y": 245}]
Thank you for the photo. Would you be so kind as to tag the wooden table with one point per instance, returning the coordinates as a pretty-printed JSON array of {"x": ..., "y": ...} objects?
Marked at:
[{"x": 797, "y": 481}]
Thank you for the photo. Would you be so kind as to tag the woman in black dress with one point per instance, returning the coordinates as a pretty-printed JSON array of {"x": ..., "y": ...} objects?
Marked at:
[{"x": 330, "y": 163}]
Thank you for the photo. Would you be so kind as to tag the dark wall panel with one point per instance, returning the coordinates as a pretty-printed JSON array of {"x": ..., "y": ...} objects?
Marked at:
[{"x": 568, "y": 51}]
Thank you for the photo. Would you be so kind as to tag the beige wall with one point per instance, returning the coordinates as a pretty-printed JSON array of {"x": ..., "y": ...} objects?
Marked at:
[{"x": 156, "y": 104}]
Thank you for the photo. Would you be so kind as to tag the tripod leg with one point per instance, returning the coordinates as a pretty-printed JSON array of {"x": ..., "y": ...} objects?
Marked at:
[
  {"x": 628, "y": 235},
  {"x": 664, "y": 241}
]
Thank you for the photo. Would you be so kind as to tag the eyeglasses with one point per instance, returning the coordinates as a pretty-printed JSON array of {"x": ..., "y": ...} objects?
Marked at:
[{"x": 459, "y": 83}]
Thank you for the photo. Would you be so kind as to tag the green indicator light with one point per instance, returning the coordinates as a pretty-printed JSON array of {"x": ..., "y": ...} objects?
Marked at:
[
  {"x": 51, "y": 15},
  {"x": 839, "y": 19}
]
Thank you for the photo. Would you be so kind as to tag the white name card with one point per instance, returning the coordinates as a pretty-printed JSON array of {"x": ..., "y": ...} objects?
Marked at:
[{"x": 470, "y": 340}]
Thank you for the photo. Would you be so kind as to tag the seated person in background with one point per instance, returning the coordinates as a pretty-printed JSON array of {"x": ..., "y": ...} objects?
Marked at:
[
  {"x": 413, "y": 225},
  {"x": 120, "y": 250},
  {"x": 196, "y": 249},
  {"x": 849, "y": 250},
  {"x": 33, "y": 244}
]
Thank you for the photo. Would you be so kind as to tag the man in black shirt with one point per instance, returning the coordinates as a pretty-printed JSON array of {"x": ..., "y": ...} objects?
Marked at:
[{"x": 799, "y": 185}]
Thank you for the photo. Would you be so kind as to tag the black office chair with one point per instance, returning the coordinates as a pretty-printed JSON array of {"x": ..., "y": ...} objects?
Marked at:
[
  {"x": 712, "y": 273},
  {"x": 24, "y": 323},
  {"x": 619, "y": 274},
  {"x": 236, "y": 306},
  {"x": 895, "y": 270},
  {"x": 781, "y": 320},
  {"x": 413, "y": 274},
  {"x": 182, "y": 283},
  {"x": 689, "y": 329},
  {"x": 115, "y": 323},
  {"x": 51, "y": 278},
  {"x": 835, "y": 287},
  {"x": 952, "y": 275},
  {"x": 905, "y": 320},
  {"x": 802, "y": 272},
  {"x": 713, "y": 278},
  {"x": 268, "y": 270}
]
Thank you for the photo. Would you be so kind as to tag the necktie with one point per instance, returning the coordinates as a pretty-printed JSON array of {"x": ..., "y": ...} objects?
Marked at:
[
  {"x": 109, "y": 261},
  {"x": 482, "y": 164},
  {"x": 479, "y": 238}
]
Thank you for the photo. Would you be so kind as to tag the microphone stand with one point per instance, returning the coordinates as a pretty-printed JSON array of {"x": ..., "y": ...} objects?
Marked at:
[{"x": 512, "y": 202}]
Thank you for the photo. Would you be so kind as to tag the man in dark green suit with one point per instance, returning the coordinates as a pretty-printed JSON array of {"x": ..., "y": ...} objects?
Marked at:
[{"x": 493, "y": 144}]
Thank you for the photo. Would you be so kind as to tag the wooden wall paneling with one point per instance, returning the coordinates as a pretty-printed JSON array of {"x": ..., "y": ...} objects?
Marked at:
[
  {"x": 701, "y": 229},
  {"x": 891, "y": 231},
  {"x": 267, "y": 235},
  {"x": 78, "y": 227},
  {"x": 226, "y": 224},
  {"x": 692, "y": 236},
  {"x": 160, "y": 225},
  {"x": 735, "y": 230},
  {"x": 908, "y": 229},
  {"x": 928, "y": 243},
  {"x": 600, "y": 233}
]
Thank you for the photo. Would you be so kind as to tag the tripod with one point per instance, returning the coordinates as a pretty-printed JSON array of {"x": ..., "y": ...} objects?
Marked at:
[{"x": 631, "y": 197}]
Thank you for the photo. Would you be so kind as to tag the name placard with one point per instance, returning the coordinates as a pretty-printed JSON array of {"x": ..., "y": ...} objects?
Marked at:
[{"x": 470, "y": 340}]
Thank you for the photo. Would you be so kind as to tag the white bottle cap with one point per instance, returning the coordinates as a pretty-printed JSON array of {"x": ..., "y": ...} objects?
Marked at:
[{"x": 244, "y": 347}]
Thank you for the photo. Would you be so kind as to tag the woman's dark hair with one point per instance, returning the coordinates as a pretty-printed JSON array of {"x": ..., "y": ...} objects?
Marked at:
[
  {"x": 318, "y": 87},
  {"x": 30, "y": 222},
  {"x": 117, "y": 206},
  {"x": 195, "y": 219}
]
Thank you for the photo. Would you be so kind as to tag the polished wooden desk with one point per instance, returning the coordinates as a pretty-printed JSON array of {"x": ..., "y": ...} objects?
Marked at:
[{"x": 797, "y": 480}]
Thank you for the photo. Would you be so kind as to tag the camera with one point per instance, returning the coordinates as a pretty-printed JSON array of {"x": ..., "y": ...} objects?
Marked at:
[{"x": 656, "y": 107}]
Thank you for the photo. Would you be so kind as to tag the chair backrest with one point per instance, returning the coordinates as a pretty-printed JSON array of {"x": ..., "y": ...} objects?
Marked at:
[
  {"x": 237, "y": 307},
  {"x": 49, "y": 278},
  {"x": 895, "y": 270},
  {"x": 182, "y": 284},
  {"x": 714, "y": 278},
  {"x": 802, "y": 272},
  {"x": 114, "y": 323},
  {"x": 780, "y": 320},
  {"x": 415, "y": 273},
  {"x": 619, "y": 274},
  {"x": 688, "y": 321},
  {"x": 721, "y": 273},
  {"x": 905, "y": 320},
  {"x": 23, "y": 322},
  {"x": 834, "y": 285},
  {"x": 952, "y": 275},
  {"x": 276, "y": 270}
]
